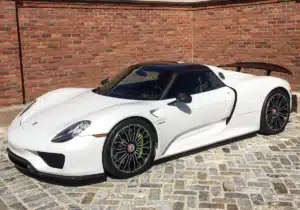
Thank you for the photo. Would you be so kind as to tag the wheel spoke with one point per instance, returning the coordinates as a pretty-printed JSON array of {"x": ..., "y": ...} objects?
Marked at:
[
  {"x": 121, "y": 158},
  {"x": 281, "y": 102},
  {"x": 134, "y": 134},
  {"x": 272, "y": 122},
  {"x": 269, "y": 117},
  {"x": 136, "y": 160},
  {"x": 134, "y": 163},
  {"x": 127, "y": 135},
  {"x": 137, "y": 134},
  {"x": 280, "y": 121},
  {"x": 275, "y": 124},
  {"x": 119, "y": 149},
  {"x": 126, "y": 160},
  {"x": 284, "y": 107},
  {"x": 277, "y": 99},
  {"x": 122, "y": 142},
  {"x": 282, "y": 115},
  {"x": 272, "y": 102},
  {"x": 120, "y": 152}
]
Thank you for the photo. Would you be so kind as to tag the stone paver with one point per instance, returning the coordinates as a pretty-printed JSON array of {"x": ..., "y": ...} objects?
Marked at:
[{"x": 259, "y": 172}]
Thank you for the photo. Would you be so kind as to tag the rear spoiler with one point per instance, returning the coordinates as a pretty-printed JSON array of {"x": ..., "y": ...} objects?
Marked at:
[{"x": 268, "y": 67}]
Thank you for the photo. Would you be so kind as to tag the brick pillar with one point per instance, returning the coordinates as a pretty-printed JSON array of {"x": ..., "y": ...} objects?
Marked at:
[{"x": 10, "y": 79}]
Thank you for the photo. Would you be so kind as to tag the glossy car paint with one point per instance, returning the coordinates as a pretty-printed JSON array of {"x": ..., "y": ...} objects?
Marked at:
[{"x": 180, "y": 127}]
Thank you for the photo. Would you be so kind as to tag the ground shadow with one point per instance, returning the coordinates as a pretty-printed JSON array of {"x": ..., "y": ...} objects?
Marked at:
[{"x": 70, "y": 183}]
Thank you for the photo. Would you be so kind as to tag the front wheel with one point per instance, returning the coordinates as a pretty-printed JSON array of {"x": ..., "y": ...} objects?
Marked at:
[
  {"x": 275, "y": 112},
  {"x": 129, "y": 149}
]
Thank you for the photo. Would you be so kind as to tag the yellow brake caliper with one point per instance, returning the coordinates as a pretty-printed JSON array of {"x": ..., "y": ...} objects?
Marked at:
[{"x": 140, "y": 145}]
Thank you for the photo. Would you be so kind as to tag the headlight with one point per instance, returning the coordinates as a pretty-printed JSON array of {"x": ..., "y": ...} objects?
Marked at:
[
  {"x": 27, "y": 108},
  {"x": 71, "y": 131}
]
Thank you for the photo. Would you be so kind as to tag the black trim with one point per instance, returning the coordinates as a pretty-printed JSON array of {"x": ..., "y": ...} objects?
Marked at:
[
  {"x": 26, "y": 167},
  {"x": 234, "y": 105},
  {"x": 54, "y": 160},
  {"x": 221, "y": 75},
  {"x": 267, "y": 67},
  {"x": 164, "y": 94}
]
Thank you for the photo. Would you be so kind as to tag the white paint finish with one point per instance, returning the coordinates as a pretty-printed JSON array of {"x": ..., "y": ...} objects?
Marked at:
[
  {"x": 180, "y": 128},
  {"x": 83, "y": 155},
  {"x": 205, "y": 109},
  {"x": 251, "y": 90}
]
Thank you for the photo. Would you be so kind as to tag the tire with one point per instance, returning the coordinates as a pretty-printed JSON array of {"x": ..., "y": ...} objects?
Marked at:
[
  {"x": 275, "y": 112},
  {"x": 129, "y": 149}
]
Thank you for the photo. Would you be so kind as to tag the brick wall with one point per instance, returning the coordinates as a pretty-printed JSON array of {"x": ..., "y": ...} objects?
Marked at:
[
  {"x": 78, "y": 44},
  {"x": 10, "y": 86},
  {"x": 267, "y": 32}
]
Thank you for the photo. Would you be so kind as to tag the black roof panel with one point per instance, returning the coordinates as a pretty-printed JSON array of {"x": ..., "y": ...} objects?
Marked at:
[{"x": 175, "y": 67}]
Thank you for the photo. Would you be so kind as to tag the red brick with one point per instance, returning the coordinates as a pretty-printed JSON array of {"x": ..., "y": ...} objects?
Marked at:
[{"x": 263, "y": 36}]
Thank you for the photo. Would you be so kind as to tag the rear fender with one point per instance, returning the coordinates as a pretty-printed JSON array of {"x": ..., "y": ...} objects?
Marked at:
[{"x": 252, "y": 93}]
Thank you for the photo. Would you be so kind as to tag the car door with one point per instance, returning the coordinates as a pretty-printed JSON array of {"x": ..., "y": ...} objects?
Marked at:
[{"x": 211, "y": 103}]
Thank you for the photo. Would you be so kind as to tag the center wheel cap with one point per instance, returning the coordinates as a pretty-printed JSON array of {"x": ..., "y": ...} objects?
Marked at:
[
  {"x": 130, "y": 148},
  {"x": 274, "y": 111}
]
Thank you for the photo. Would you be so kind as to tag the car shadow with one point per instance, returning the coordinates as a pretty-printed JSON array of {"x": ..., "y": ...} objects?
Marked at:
[
  {"x": 77, "y": 183},
  {"x": 66, "y": 183},
  {"x": 184, "y": 107}
]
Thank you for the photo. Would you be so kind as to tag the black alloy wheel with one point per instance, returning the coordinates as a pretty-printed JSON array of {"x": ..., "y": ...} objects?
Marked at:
[
  {"x": 129, "y": 148},
  {"x": 275, "y": 112}
]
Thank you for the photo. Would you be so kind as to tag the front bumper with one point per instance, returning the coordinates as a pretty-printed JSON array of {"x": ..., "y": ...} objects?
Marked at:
[
  {"x": 26, "y": 167},
  {"x": 79, "y": 157}
]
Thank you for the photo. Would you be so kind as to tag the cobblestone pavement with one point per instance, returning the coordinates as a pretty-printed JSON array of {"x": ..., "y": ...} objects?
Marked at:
[{"x": 259, "y": 172}]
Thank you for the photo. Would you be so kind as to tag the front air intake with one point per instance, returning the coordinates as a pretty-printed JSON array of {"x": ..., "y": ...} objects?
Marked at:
[{"x": 53, "y": 160}]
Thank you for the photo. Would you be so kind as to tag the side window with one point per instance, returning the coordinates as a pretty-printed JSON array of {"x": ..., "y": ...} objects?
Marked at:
[
  {"x": 210, "y": 81},
  {"x": 193, "y": 82}
]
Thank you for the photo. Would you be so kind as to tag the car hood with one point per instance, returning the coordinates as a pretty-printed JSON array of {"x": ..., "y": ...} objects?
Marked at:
[{"x": 47, "y": 122}]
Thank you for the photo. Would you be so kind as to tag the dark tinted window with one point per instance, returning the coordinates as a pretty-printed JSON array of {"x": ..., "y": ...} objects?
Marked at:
[
  {"x": 142, "y": 85},
  {"x": 193, "y": 82}
]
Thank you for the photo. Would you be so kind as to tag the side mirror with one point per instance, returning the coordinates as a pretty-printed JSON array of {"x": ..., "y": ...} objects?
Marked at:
[
  {"x": 104, "y": 81},
  {"x": 182, "y": 97}
]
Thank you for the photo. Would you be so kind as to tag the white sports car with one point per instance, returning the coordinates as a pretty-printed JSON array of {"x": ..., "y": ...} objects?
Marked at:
[{"x": 148, "y": 112}]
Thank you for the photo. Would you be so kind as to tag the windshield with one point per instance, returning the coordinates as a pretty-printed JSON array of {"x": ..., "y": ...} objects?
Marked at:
[{"x": 140, "y": 84}]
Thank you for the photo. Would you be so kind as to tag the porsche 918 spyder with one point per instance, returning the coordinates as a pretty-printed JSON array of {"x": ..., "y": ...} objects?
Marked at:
[{"x": 147, "y": 112}]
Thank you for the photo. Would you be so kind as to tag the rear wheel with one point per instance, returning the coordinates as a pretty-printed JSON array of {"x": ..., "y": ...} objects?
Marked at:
[
  {"x": 275, "y": 112},
  {"x": 129, "y": 148}
]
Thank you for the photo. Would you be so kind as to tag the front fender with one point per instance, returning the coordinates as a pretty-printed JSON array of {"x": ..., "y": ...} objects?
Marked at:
[{"x": 104, "y": 120}]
